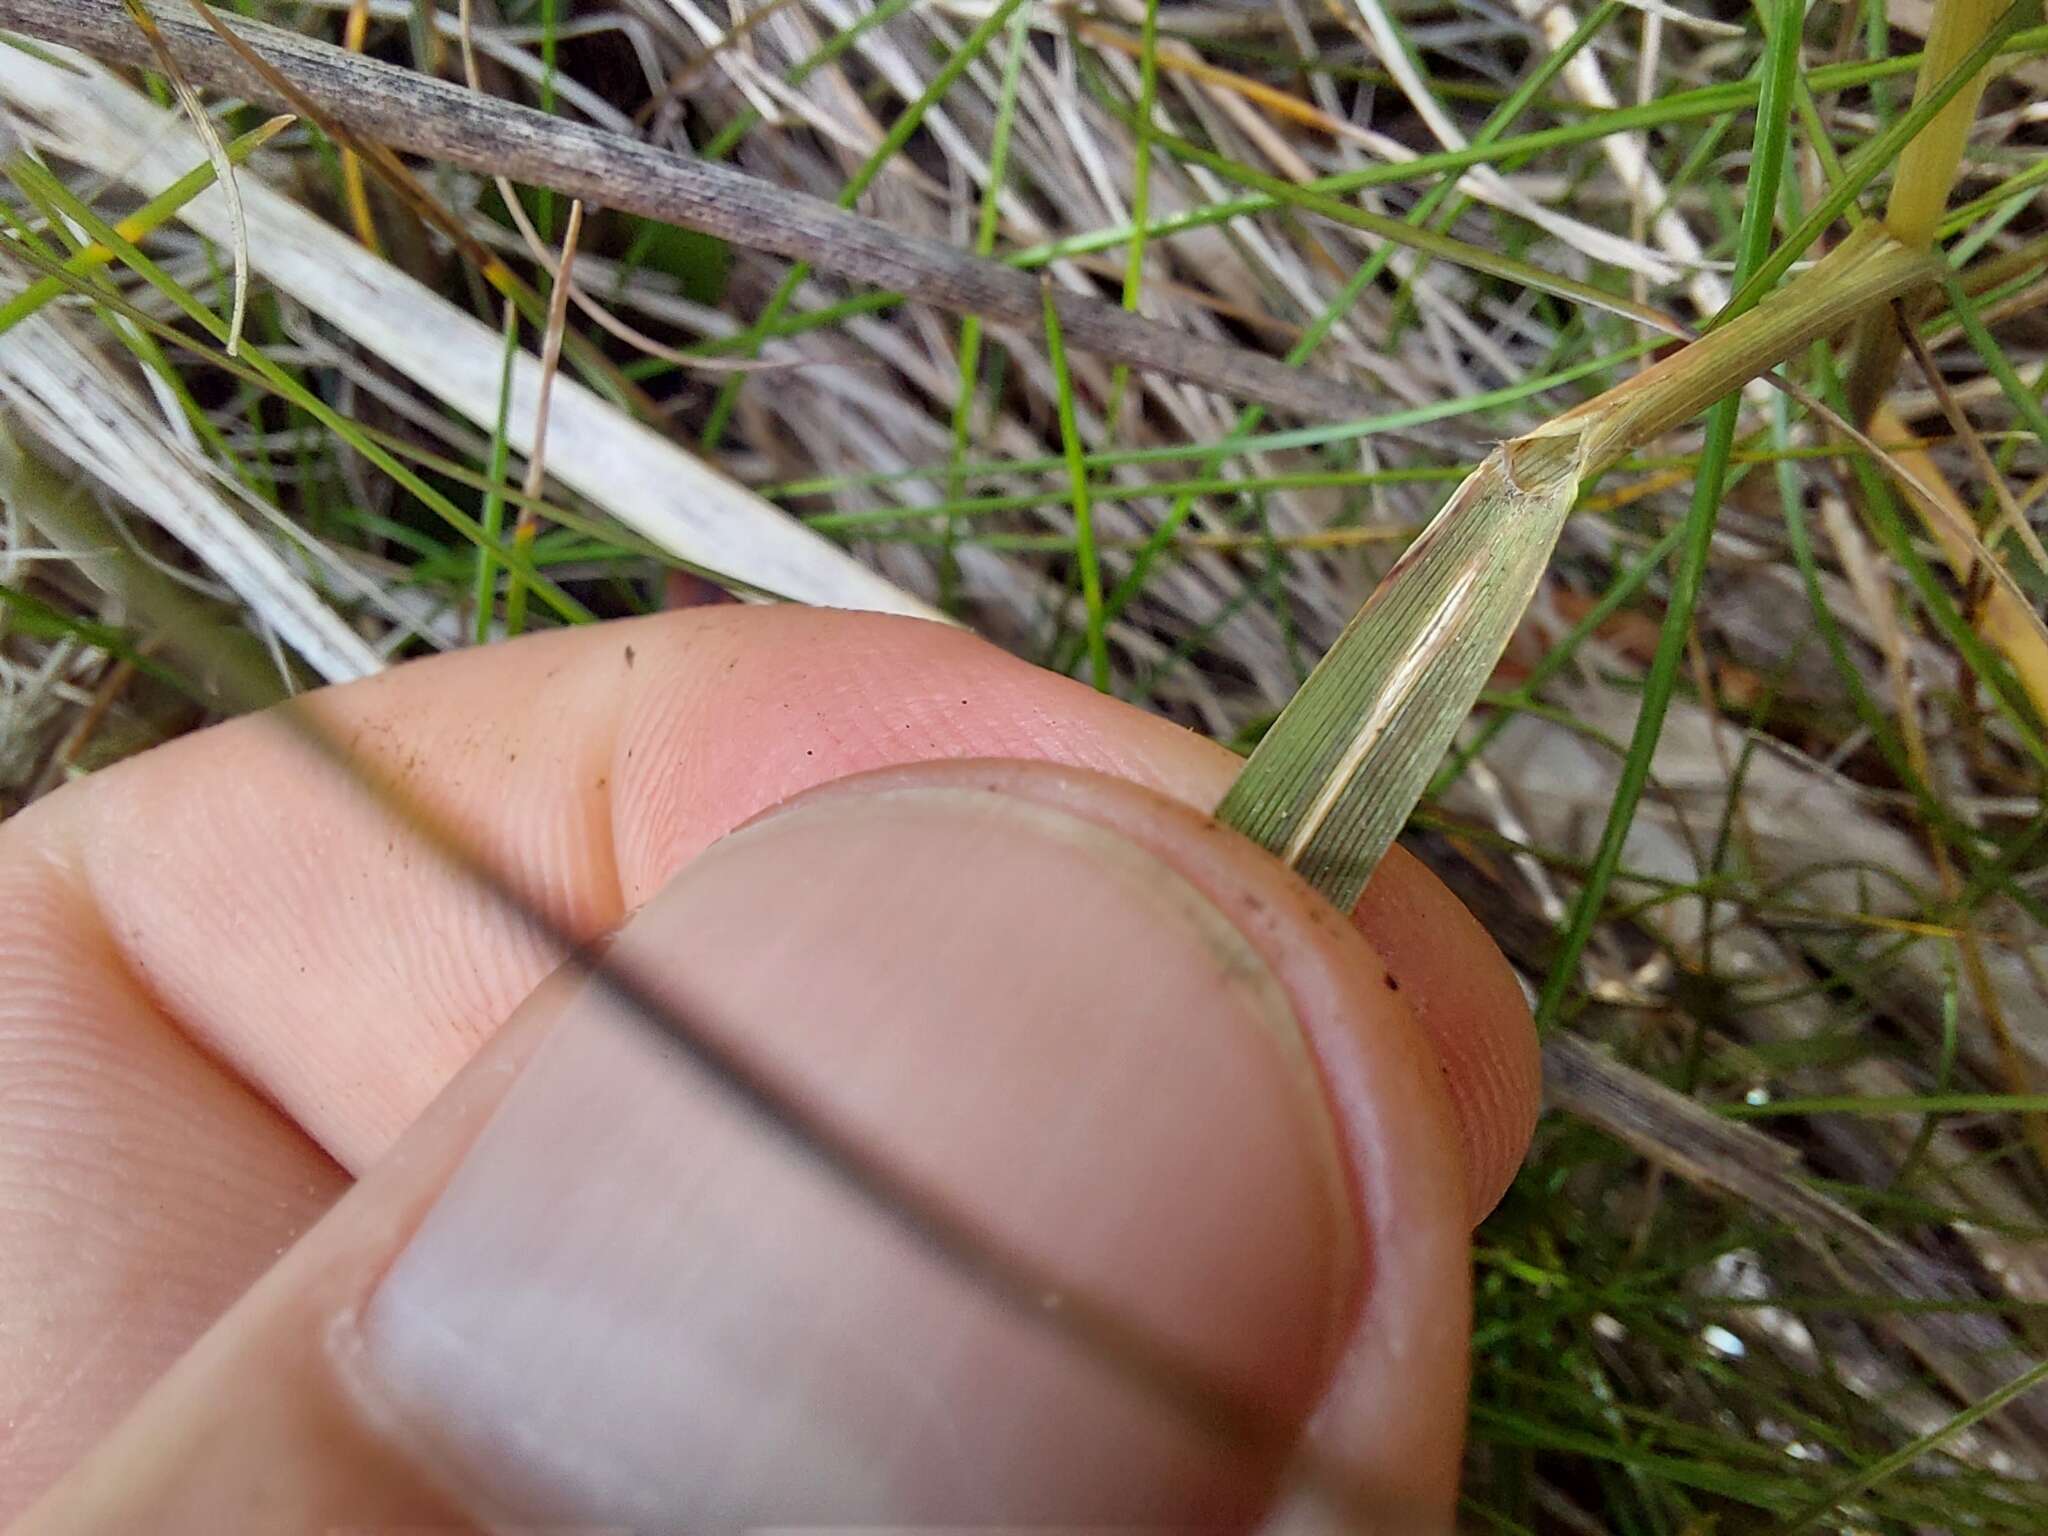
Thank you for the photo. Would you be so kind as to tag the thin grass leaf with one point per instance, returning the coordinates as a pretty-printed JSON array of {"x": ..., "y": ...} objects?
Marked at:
[
  {"x": 1084, "y": 516},
  {"x": 223, "y": 167},
  {"x": 986, "y": 225},
  {"x": 1445, "y": 248},
  {"x": 1141, "y": 193},
  {"x": 492, "y": 517},
  {"x": 138, "y": 225},
  {"x": 1889, "y": 1466}
]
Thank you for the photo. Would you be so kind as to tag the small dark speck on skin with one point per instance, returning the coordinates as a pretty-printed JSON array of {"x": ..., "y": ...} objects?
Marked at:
[
  {"x": 629, "y": 656},
  {"x": 1392, "y": 985}
]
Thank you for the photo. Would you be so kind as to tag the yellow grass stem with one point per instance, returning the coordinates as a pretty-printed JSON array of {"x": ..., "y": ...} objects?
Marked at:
[
  {"x": 355, "y": 31},
  {"x": 1922, "y": 181},
  {"x": 1927, "y": 167}
]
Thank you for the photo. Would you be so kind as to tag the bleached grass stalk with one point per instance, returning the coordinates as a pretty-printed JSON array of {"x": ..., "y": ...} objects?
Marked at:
[
  {"x": 528, "y": 524},
  {"x": 63, "y": 392},
  {"x": 644, "y": 480},
  {"x": 216, "y": 152}
]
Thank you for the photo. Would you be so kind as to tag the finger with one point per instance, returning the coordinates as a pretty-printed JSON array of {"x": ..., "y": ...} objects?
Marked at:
[
  {"x": 232, "y": 866},
  {"x": 586, "y": 1289},
  {"x": 281, "y": 928},
  {"x": 142, "y": 1187}
]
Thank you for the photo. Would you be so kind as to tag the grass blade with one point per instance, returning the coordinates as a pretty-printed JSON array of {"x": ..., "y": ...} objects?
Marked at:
[
  {"x": 1339, "y": 773},
  {"x": 1084, "y": 518},
  {"x": 138, "y": 225},
  {"x": 223, "y": 167},
  {"x": 1344, "y": 765},
  {"x": 1767, "y": 168},
  {"x": 492, "y": 515}
]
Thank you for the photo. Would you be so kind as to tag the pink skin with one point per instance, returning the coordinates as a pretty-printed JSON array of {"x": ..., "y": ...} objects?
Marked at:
[{"x": 232, "y": 984}]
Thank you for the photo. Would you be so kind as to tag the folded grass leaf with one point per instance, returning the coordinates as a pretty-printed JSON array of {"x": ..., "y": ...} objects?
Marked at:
[{"x": 1336, "y": 777}]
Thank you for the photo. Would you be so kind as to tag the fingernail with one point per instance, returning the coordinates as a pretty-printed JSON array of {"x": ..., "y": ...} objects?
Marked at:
[{"x": 635, "y": 1303}]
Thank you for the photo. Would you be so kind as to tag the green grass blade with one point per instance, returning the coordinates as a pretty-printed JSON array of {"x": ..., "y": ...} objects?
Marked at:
[
  {"x": 1085, "y": 553},
  {"x": 249, "y": 362},
  {"x": 1336, "y": 778},
  {"x": 493, "y": 515},
  {"x": 1142, "y": 129},
  {"x": 151, "y": 216},
  {"x": 984, "y": 243},
  {"x": 1767, "y": 169},
  {"x": 1869, "y": 161}
]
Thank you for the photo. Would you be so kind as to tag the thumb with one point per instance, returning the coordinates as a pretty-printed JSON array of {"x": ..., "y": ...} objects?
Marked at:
[{"x": 588, "y": 1287}]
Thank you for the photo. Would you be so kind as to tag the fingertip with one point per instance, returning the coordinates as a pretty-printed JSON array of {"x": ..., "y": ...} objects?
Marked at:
[{"x": 1467, "y": 1000}]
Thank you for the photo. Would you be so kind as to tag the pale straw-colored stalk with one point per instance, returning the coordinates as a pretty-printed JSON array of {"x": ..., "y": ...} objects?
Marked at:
[{"x": 1922, "y": 180}]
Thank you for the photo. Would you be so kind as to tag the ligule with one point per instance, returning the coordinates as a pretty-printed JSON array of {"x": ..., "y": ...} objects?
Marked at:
[{"x": 1342, "y": 769}]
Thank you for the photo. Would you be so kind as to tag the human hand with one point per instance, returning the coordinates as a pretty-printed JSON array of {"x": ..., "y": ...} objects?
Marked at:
[{"x": 570, "y": 1283}]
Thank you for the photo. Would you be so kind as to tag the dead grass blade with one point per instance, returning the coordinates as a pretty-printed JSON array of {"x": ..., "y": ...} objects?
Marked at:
[
  {"x": 1733, "y": 1160},
  {"x": 413, "y": 112},
  {"x": 223, "y": 168},
  {"x": 65, "y": 395},
  {"x": 633, "y": 473}
]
